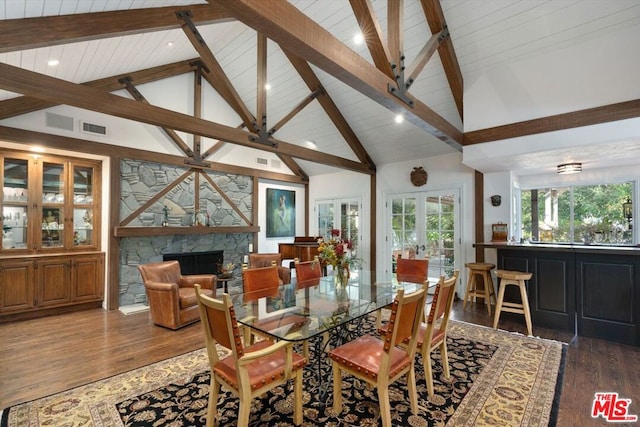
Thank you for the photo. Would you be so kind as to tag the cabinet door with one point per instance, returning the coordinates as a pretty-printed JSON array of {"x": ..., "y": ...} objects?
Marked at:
[
  {"x": 54, "y": 181},
  {"x": 54, "y": 281},
  {"x": 85, "y": 210},
  {"x": 88, "y": 277},
  {"x": 15, "y": 204},
  {"x": 16, "y": 286}
]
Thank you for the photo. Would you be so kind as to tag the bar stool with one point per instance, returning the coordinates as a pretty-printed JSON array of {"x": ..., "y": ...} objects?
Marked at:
[
  {"x": 516, "y": 278},
  {"x": 482, "y": 269}
]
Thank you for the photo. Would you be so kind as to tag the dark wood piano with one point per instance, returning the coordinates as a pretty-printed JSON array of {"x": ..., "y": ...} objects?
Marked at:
[{"x": 303, "y": 247}]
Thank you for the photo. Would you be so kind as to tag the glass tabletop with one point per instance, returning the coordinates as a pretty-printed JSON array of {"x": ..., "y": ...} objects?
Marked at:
[{"x": 300, "y": 311}]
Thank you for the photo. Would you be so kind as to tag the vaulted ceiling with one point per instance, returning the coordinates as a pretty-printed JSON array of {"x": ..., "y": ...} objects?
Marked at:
[{"x": 415, "y": 60}]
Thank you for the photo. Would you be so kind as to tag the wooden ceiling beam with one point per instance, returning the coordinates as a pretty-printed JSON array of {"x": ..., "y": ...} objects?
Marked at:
[
  {"x": 26, "y": 104},
  {"x": 590, "y": 116},
  {"x": 294, "y": 31},
  {"x": 29, "y": 83},
  {"x": 435, "y": 18},
  {"x": 135, "y": 93},
  {"x": 261, "y": 77},
  {"x": 370, "y": 27},
  {"x": 330, "y": 108},
  {"x": 395, "y": 36},
  {"x": 23, "y": 34},
  {"x": 424, "y": 55},
  {"x": 219, "y": 81}
]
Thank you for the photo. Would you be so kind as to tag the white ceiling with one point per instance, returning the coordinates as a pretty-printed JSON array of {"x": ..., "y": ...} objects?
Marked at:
[{"x": 486, "y": 34}]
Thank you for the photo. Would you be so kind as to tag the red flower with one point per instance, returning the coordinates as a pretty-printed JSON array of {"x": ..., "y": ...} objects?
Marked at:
[{"x": 335, "y": 232}]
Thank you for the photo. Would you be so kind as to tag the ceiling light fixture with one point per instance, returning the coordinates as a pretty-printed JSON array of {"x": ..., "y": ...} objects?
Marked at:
[
  {"x": 399, "y": 118},
  {"x": 569, "y": 168},
  {"x": 267, "y": 86},
  {"x": 53, "y": 62},
  {"x": 358, "y": 39},
  {"x": 312, "y": 144}
]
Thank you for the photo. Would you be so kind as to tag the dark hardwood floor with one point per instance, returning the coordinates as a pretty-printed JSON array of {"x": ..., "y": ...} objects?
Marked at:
[{"x": 43, "y": 356}]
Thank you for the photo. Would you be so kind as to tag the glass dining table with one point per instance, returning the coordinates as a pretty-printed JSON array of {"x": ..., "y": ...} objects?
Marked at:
[{"x": 317, "y": 312}]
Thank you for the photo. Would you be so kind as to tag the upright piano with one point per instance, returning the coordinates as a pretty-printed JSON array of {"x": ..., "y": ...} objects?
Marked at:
[{"x": 303, "y": 247}]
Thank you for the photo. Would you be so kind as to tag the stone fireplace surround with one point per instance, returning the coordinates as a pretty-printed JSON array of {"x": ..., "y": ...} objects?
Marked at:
[{"x": 140, "y": 180}]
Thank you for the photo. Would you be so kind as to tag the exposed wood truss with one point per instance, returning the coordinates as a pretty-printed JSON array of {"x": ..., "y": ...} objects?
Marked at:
[{"x": 298, "y": 34}]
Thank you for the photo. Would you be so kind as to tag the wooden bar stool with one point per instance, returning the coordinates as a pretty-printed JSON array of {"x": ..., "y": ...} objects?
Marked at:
[
  {"x": 482, "y": 269},
  {"x": 516, "y": 278}
]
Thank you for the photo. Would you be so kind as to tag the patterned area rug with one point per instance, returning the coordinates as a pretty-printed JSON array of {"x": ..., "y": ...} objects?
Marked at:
[{"x": 497, "y": 378}]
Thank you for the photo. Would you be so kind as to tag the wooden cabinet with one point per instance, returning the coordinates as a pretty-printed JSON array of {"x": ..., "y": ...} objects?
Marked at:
[
  {"x": 87, "y": 274},
  {"x": 44, "y": 282},
  {"x": 49, "y": 203},
  {"x": 16, "y": 286}
]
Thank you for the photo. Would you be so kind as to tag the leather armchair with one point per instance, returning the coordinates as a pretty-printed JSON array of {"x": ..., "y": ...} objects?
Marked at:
[
  {"x": 267, "y": 260},
  {"x": 171, "y": 296}
]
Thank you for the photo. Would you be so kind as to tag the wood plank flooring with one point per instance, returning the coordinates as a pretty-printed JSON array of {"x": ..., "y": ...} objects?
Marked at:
[{"x": 43, "y": 356}]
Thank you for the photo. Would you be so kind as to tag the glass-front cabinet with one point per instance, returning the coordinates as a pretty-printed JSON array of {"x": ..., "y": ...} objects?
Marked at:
[{"x": 49, "y": 203}]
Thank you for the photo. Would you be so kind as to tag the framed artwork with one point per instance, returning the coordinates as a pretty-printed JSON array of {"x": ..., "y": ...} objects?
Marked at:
[{"x": 281, "y": 213}]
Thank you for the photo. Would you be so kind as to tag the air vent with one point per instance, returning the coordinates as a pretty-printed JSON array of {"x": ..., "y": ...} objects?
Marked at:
[
  {"x": 262, "y": 162},
  {"x": 94, "y": 128},
  {"x": 275, "y": 164},
  {"x": 59, "y": 122}
]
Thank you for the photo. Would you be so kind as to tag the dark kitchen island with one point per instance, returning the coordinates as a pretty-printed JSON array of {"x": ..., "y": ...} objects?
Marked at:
[{"x": 593, "y": 290}]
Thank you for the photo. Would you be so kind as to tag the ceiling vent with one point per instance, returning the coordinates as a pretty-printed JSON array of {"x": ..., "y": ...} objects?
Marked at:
[
  {"x": 58, "y": 121},
  {"x": 262, "y": 162},
  {"x": 93, "y": 128}
]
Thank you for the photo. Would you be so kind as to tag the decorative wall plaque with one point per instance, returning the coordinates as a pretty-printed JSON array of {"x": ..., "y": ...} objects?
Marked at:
[{"x": 419, "y": 176}]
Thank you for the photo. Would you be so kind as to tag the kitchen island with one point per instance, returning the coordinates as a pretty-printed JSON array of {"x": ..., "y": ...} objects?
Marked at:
[{"x": 592, "y": 290}]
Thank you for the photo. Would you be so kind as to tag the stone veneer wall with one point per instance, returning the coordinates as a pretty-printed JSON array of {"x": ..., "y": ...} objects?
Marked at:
[{"x": 140, "y": 181}]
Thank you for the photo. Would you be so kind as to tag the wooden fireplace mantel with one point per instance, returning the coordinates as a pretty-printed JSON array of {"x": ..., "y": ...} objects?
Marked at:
[{"x": 171, "y": 231}]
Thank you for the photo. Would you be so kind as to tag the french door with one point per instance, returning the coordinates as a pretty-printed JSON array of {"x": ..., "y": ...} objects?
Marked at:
[{"x": 426, "y": 224}]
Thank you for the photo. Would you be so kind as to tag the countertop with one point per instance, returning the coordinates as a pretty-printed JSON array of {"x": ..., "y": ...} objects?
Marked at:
[{"x": 561, "y": 247}]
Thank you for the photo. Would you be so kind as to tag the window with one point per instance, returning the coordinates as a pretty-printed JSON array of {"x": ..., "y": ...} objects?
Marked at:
[{"x": 577, "y": 214}]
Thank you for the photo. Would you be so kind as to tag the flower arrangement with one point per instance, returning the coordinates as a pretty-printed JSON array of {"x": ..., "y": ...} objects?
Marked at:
[
  {"x": 338, "y": 253},
  {"x": 226, "y": 270}
]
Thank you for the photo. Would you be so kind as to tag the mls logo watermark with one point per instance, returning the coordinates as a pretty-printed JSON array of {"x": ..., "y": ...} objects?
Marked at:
[{"x": 612, "y": 408}]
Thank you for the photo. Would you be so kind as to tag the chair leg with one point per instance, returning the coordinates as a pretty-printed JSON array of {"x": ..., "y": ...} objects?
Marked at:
[
  {"x": 413, "y": 391},
  {"x": 297, "y": 395},
  {"x": 525, "y": 307},
  {"x": 212, "y": 409},
  {"x": 445, "y": 358},
  {"x": 245, "y": 408},
  {"x": 498, "y": 305},
  {"x": 385, "y": 407},
  {"x": 428, "y": 371},
  {"x": 337, "y": 388},
  {"x": 470, "y": 282},
  {"x": 486, "y": 277}
]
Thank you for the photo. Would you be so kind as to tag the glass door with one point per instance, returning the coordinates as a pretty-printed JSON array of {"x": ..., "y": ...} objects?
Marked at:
[
  {"x": 426, "y": 224},
  {"x": 15, "y": 203}
]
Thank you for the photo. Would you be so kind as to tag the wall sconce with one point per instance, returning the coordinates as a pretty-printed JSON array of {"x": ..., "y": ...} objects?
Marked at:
[
  {"x": 627, "y": 211},
  {"x": 568, "y": 168}
]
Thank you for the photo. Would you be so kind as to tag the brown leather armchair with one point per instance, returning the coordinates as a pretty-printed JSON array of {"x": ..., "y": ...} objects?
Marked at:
[
  {"x": 171, "y": 296},
  {"x": 267, "y": 260}
]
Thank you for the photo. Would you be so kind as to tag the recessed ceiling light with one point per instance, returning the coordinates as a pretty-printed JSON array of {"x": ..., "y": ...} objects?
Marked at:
[
  {"x": 312, "y": 144},
  {"x": 399, "y": 118},
  {"x": 358, "y": 38},
  {"x": 169, "y": 44},
  {"x": 267, "y": 86},
  {"x": 53, "y": 62}
]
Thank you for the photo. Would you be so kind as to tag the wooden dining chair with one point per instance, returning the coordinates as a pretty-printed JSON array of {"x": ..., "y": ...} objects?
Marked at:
[
  {"x": 433, "y": 333},
  {"x": 412, "y": 270},
  {"x": 380, "y": 362},
  {"x": 248, "y": 371},
  {"x": 308, "y": 273},
  {"x": 407, "y": 270},
  {"x": 264, "y": 282}
]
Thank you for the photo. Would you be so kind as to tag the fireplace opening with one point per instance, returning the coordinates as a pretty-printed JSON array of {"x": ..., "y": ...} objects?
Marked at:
[{"x": 197, "y": 262}]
